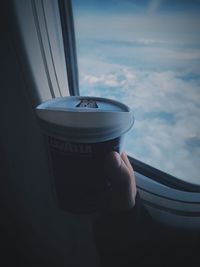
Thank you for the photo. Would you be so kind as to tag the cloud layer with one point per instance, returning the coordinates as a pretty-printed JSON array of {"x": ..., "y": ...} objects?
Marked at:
[
  {"x": 149, "y": 60},
  {"x": 166, "y": 109}
]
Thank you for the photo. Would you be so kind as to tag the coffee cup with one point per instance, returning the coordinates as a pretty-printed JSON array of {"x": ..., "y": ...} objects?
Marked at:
[{"x": 79, "y": 132}]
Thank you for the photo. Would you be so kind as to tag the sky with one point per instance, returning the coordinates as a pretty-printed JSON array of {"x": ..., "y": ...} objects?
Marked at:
[{"x": 146, "y": 54}]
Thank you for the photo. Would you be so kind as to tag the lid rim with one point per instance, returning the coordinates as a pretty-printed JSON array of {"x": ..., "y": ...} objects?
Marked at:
[
  {"x": 94, "y": 125},
  {"x": 91, "y": 137}
]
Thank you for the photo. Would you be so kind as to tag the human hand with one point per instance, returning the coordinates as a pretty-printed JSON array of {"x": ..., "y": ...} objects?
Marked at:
[{"x": 122, "y": 178}]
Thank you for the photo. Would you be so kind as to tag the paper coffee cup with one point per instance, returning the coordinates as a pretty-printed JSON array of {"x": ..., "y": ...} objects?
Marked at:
[{"x": 79, "y": 133}]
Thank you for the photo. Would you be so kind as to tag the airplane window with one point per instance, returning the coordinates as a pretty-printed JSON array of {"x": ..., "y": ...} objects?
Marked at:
[{"x": 147, "y": 55}]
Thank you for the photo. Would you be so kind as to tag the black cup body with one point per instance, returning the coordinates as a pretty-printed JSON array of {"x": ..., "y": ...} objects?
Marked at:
[{"x": 78, "y": 178}]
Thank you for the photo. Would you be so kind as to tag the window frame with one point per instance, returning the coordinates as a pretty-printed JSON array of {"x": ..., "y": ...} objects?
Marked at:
[
  {"x": 162, "y": 177},
  {"x": 39, "y": 47},
  {"x": 67, "y": 22}
]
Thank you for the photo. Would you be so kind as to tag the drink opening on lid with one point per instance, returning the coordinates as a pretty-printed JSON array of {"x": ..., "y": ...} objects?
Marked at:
[{"x": 87, "y": 103}]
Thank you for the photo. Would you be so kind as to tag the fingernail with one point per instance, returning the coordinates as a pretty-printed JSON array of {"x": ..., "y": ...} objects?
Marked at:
[{"x": 114, "y": 160}]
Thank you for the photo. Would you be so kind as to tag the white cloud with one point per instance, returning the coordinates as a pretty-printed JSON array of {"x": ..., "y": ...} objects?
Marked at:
[
  {"x": 149, "y": 41},
  {"x": 180, "y": 26},
  {"x": 165, "y": 50},
  {"x": 108, "y": 80},
  {"x": 154, "y": 139},
  {"x": 153, "y": 6}
]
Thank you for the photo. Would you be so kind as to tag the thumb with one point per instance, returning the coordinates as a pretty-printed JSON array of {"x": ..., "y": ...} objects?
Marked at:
[
  {"x": 122, "y": 181},
  {"x": 116, "y": 170}
]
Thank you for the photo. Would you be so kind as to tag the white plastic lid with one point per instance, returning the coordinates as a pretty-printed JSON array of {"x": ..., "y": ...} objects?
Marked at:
[{"x": 91, "y": 119}]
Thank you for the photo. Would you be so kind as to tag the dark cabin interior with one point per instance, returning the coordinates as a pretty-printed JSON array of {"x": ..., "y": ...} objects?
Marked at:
[{"x": 33, "y": 232}]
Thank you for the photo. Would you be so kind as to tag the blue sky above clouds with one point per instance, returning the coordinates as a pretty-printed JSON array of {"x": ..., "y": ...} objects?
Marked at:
[{"x": 147, "y": 55}]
